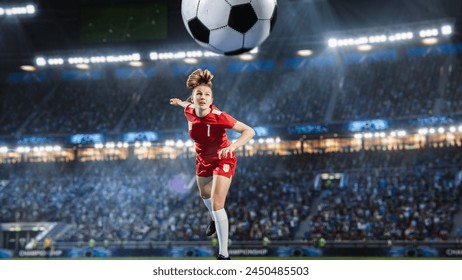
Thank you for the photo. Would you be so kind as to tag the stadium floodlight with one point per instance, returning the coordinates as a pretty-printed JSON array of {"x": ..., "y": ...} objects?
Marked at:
[
  {"x": 99, "y": 146},
  {"x": 82, "y": 66},
  {"x": 431, "y": 130},
  {"x": 110, "y": 145},
  {"x": 377, "y": 39},
  {"x": 28, "y": 68},
  {"x": 97, "y": 59},
  {"x": 401, "y": 133},
  {"x": 170, "y": 142},
  {"x": 190, "y": 60},
  {"x": 441, "y": 130},
  {"x": 446, "y": 30},
  {"x": 246, "y": 57},
  {"x": 194, "y": 54},
  {"x": 40, "y": 61},
  {"x": 428, "y": 33},
  {"x": 305, "y": 52},
  {"x": 365, "y": 48},
  {"x": 423, "y": 131},
  {"x": 78, "y": 60},
  {"x": 55, "y": 61},
  {"x": 404, "y": 33},
  {"x": 180, "y": 55},
  {"x": 23, "y": 149},
  {"x": 136, "y": 63},
  {"x": 179, "y": 144},
  {"x": 210, "y": 54},
  {"x": 18, "y": 10},
  {"x": 189, "y": 143},
  {"x": 429, "y": 41},
  {"x": 3, "y": 150},
  {"x": 460, "y": 128},
  {"x": 332, "y": 43},
  {"x": 401, "y": 36}
]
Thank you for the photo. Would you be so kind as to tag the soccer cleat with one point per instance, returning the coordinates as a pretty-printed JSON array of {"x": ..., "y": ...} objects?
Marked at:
[
  {"x": 211, "y": 228},
  {"x": 221, "y": 257}
]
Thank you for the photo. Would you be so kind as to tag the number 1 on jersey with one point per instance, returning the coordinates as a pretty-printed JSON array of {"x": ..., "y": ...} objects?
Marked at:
[{"x": 208, "y": 130}]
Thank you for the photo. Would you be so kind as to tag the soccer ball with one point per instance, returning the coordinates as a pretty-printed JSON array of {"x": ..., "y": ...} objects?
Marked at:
[{"x": 229, "y": 27}]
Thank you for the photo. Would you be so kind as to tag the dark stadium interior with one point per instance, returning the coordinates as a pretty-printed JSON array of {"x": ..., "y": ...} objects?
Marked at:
[{"x": 360, "y": 150}]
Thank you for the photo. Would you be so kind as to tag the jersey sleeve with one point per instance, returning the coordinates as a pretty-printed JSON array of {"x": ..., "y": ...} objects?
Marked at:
[
  {"x": 187, "y": 112},
  {"x": 227, "y": 120}
]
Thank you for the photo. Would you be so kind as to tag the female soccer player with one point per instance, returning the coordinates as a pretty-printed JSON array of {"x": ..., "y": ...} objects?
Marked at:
[{"x": 215, "y": 159}]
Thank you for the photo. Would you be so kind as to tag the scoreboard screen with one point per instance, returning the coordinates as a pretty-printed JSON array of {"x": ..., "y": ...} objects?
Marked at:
[{"x": 124, "y": 22}]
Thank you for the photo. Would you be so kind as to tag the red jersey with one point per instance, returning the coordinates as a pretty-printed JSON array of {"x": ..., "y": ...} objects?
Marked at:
[{"x": 209, "y": 132}]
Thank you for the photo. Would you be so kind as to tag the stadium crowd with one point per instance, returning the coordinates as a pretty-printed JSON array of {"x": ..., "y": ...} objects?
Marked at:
[
  {"x": 402, "y": 194},
  {"x": 317, "y": 94}
]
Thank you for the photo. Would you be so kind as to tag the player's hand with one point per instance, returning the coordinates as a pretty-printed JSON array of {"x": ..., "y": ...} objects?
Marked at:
[
  {"x": 228, "y": 151},
  {"x": 175, "y": 101}
]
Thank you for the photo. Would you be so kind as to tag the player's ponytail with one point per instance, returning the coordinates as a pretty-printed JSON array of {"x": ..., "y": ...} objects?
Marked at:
[{"x": 199, "y": 77}]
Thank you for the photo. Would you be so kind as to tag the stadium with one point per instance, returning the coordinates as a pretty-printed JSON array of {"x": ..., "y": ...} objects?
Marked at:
[{"x": 356, "y": 105}]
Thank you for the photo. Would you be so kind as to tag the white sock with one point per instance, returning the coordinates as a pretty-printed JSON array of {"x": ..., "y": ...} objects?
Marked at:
[
  {"x": 221, "y": 224},
  {"x": 208, "y": 204}
]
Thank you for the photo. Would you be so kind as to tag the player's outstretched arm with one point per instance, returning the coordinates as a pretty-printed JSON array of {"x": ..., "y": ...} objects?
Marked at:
[{"x": 178, "y": 102}]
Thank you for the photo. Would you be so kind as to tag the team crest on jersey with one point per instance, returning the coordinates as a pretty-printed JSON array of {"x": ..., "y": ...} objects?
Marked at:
[{"x": 225, "y": 167}]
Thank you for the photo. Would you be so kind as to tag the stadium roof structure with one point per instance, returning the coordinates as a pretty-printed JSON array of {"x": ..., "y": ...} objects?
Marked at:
[{"x": 60, "y": 27}]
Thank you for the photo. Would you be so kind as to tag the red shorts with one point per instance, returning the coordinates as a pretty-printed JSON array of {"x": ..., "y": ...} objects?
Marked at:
[{"x": 224, "y": 167}]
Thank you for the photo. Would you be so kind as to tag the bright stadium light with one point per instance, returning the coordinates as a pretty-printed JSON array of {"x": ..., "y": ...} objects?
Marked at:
[
  {"x": 30, "y": 9},
  {"x": 28, "y": 68},
  {"x": 55, "y": 61},
  {"x": 446, "y": 30},
  {"x": 40, "y": 61},
  {"x": 18, "y": 10},
  {"x": 136, "y": 63},
  {"x": 246, "y": 57},
  {"x": 82, "y": 66},
  {"x": 428, "y": 33},
  {"x": 78, "y": 60},
  {"x": 180, "y": 55},
  {"x": 190, "y": 60},
  {"x": 429, "y": 41},
  {"x": 305, "y": 52},
  {"x": 364, "y": 48},
  {"x": 423, "y": 131},
  {"x": 332, "y": 43}
]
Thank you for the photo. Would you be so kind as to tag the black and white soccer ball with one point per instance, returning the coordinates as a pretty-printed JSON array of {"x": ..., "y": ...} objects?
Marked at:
[{"x": 229, "y": 27}]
